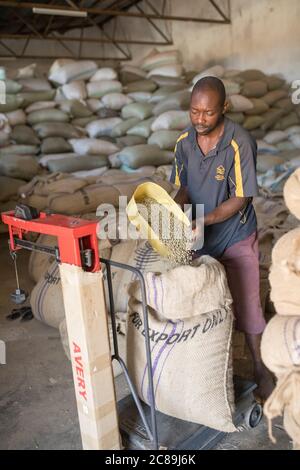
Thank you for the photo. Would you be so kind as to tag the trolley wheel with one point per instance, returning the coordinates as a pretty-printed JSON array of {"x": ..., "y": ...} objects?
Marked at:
[{"x": 253, "y": 416}]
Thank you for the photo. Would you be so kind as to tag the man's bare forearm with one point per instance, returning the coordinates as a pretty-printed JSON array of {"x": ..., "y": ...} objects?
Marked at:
[{"x": 226, "y": 210}]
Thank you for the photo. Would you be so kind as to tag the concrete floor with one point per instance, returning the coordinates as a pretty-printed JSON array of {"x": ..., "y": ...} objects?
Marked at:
[{"x": 37, "y": 402}]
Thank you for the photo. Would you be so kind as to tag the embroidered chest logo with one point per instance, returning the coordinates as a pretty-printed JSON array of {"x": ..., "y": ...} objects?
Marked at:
[{"x": 220, "y": 172}]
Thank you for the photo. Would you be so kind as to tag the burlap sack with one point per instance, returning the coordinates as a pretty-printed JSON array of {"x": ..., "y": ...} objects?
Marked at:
[
  {"x": 24, "y": 135},
  {"x": 285, "y": 274},
  {"x": 165, "y": 139},
  {"x": 9, "y": 187},
  {"x": 291, "y": 193},
  {"x": 236, "y": 117},
  {"x": 76, "y": 108},
  {"x": 178, "y": 120},
  {"x": 138, "y": 110},
  {"x": 272, "y": 96},
  {"x": 175, "y": 101},
  {"x": 46, "y": 298},
  {"x": 252, "y": 122},
  {"x": 52, "y": 145},
  {"x": 39, "y": 263},
  {"x": 47, "y": 115},
  {"x": 84, "y": 200},
  {"x": 252, "y": 74},
  {"x": 254, "y": 88},
  {"x": 19, "y": 166},
  {"x": 56, "y": 129},
  {"x": 280, "y": 353},
  {"x": 123, "y": 127},
  {"x": 142, "y": 128},
  {"x": 140, "y": 85},
  {"x": 190, "y": 352},
  {"x": 104, "y": 73},
  {"x": 259, "y": 107}
]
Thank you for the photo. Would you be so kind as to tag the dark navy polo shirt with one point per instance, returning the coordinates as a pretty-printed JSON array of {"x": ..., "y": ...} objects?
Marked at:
[{"x": 228, "y": 170}]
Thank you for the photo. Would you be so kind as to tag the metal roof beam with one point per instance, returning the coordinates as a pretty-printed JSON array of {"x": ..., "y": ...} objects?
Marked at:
[{"x": 109, "y": 12}]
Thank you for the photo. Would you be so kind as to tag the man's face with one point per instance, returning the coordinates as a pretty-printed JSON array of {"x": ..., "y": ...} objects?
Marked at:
[{"x": 206, "y": 111}]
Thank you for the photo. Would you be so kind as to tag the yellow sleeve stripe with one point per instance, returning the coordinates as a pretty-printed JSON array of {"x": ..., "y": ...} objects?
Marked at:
[
  {"x": 239, "y": 190},
  {"x": 182, "y": 136},
  {"x": 177, "y": 174},
  {"x": 177, "y": 179}
]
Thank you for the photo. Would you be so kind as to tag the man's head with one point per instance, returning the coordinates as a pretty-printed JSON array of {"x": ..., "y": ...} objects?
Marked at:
[{"x": 208, "y": 104}]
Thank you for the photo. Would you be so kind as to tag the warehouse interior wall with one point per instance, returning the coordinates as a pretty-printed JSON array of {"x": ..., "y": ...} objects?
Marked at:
[{"x": 264, "y": 34}]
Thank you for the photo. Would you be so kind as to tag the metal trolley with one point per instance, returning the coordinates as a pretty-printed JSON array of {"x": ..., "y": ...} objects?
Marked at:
[{"x": 143, "y": 427}]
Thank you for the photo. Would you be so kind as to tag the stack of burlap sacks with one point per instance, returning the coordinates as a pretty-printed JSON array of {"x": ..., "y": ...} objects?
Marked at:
[
  {"x": 83, "y": 119},
  {"x": 281, "y": 339}
]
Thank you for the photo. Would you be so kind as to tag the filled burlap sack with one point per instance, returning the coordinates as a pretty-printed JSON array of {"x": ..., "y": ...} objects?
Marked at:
[
  {"x": 140, "y": 85},
  {"x": 87, "y": 146},
  {"x": 48, "y": 115},
  {"x": 253, "y": 122},
  {"x": 65, "y": 70},
  {"x": 76, "y": 90},
  {"x": 102, "y": 127},
  {"x": 239, "y": 104},
  {"x": 142, "y": 128},
  {"x": 164, "y": 91},
  {"x": 265, "y": 161},
  {"x": 273, "y": 137},
  {"x": 46, "y": 298},
  {"x": 39, "y": 105},
  {"x": 25, "y": 135},
  {"x": 123, "y": 127},
  {"x": 252, "y": 74},
  {"x": 18, "y": 149},
  {"x": 140, "y": 96},
  {"x": 16, "y": 117},
  {"x": 254, "y": 88},
  {"x": 285, "y": 274},
  {"x": 84, "y": 200},
  {"x": 138, "y": 110},
  {"x": 130, "y": 140},
  {"x": 175, "y": 101},
  {"x": 280, "y": 353},
  {"x": 77, "y": 163},
  {"x": 97, "y": 89},
  {"x": 157, "y": 59},
  {"x": 56, "y": 129},
  {"x": 19, "y": 166},
  {"x": 270, "y": 118},
  {"x": 141, "y": 155},
  {"x": 272, "y": 96},
  {"x": 39, "y": 263},
  {"x": 12, "y": 86},
  {"x": 162, "y": 80},
  {"x": 52, "y": 145},
  {"x": 236, "y": 117},
  {"x": 29, "y": 97},
  {"x": 273, "y": 82},
  {"x": 104, "y": 73},
  {"x": 165, "y": 139},
  {"x": 34, "y": 84},
  {"x": 116, "y": 100},
  {"x": 171, "y": 120},
  {"x": 12, "y": 103},
  {"x": 173, "y": 70},
  {"x": 9, "y": 187},
  {"x": 291, "y": 193},
  {"x": 259, "y": 107},
  {"x": 285, "y": 122},
  {"x": 214, "y": 71},
  {"x": 190, "y": 348}
]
